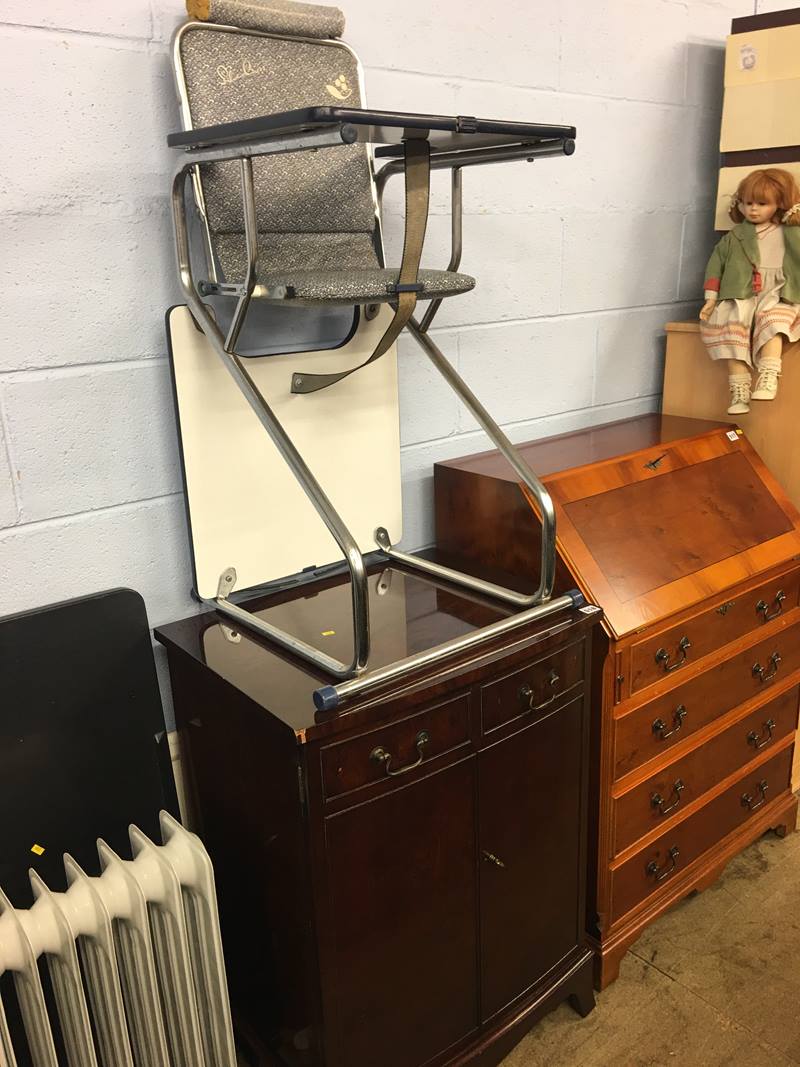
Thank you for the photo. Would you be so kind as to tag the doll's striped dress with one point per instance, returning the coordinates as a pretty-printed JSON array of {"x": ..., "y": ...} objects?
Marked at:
[{"x": 739, "y": 329}]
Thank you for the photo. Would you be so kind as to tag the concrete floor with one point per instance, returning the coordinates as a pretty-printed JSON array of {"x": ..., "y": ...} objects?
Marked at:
[{"x": 715, "y": 980}]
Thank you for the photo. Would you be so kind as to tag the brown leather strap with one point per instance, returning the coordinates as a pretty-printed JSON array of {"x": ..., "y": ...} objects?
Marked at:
[{"x": 417, "y": 170}]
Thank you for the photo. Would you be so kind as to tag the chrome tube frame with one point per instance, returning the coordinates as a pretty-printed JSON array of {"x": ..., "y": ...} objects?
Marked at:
[
  {"x": 456, "y": 244},
  {"x": 534, "y": 606},
  {"x": 541, "y": 497},
  {"x": 284, "y": 444},
  {"x": 329, "y": 697}
]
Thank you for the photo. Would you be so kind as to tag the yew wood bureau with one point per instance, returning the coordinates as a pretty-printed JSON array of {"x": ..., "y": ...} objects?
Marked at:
[
  {"x": 679, "y": 532},
  {"x": 402, "y": 880}
]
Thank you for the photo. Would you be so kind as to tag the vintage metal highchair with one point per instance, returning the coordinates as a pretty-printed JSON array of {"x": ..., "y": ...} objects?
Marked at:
[{"x": 278, "y": 229}]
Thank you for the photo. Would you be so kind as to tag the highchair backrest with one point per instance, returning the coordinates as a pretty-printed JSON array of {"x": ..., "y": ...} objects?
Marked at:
[{"x": 314, "y": 210}]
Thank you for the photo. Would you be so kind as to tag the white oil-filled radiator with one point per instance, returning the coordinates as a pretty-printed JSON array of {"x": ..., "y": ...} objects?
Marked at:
[{"x": 149, "y": 989}]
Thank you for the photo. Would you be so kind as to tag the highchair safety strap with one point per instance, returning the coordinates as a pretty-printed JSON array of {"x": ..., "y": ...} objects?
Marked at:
[{"x": 417, "y": 154}]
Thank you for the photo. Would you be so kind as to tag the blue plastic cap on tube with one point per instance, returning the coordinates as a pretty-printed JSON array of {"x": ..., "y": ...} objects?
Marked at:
[{"x": 326, "y": 698}]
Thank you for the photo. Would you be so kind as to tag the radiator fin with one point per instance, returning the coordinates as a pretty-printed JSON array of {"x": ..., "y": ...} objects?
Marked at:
[{"x": 150, "y": 988}]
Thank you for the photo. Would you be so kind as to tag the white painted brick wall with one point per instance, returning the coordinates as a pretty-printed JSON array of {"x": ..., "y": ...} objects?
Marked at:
[{"x": 579, "y": 262}]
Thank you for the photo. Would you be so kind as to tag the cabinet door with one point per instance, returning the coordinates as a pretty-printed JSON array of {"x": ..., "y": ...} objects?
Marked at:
[
  {"x": 531, "y": 854},
  {"x": 401, "y": 872}
]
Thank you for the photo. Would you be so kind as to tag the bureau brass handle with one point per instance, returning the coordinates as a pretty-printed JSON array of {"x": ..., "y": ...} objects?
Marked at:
[
  {"x": 755, "y": 738},
  {"x": 764, "y": 674},
  {"x": 380, "y": 755},
  {"x": 762, "y": 607},
  {"x": 527, "y": 695},
  {"x": 660, "y": 873},
  {"x": 662, "y": 656},
  {"x": 657, "y": 801},
  {"x": 723, "y": 609},
  {"x": 747, "y": 798},
  {"x": 491, "y": 858},
  {"x": 660, "y": 727}
]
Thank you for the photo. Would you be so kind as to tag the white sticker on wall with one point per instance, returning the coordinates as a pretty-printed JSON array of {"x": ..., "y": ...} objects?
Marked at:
[{"x": 748, "y": 57}]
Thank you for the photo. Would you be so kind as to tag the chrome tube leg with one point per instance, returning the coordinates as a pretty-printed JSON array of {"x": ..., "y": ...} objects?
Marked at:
[
  {"x": 279, "y": 437},
  {"x": 530, "y": 482},
  {"x": 251, "y": 244},
  {"x": 456, "y": 228},
  {"x": 330, "y": 697}
]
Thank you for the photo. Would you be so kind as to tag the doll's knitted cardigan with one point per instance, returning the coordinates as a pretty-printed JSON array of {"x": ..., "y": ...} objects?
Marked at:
[{"x": 734, "y": 264}]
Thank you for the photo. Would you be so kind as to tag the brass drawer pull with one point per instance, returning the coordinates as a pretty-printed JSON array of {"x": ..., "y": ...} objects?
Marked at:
[
  {"x": 723, "y": 609},
  {"x": 527, "y": 695},
  {"x": 747, "y": 798},
  {"x": 660, "y": 727},
  {"x": 380, "y": 755},
  {"x": 664, "y": 872},
  {"x": 755, "y": 739},
  {"x": 763, "y": 673},
  {"x": 762, "y": 607},
  {"x": 491, "y": 858},
  {"x": 662, "y": 656},
  {"x": 657, "y": 801}
]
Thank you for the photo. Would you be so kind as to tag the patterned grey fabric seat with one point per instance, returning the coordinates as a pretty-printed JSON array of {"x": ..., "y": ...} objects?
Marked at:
[
  {"x": 326, "y": 269},
  {"x": 310, "y": 287},
  {"x": 319, "y": 236}
]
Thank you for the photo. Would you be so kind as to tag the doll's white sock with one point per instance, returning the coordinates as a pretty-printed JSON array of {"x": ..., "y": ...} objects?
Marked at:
[
  {"x": 770, "y": 363},
  {"x": 738, "y": 371}
]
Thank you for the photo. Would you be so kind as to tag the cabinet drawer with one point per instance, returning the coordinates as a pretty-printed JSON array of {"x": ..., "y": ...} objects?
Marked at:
[
  {"x": 395, "y": 750},
  {"x": 659, "y": 655},
  {"x": 661, "y": 797},
  {"x": 651, "y": 729},
  {"x": 534, "y": 688},
  {"x": 653, "y": 867}
]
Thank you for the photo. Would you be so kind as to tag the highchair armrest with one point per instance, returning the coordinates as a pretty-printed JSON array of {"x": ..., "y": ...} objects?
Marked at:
[{"x": 447, "y": 133}]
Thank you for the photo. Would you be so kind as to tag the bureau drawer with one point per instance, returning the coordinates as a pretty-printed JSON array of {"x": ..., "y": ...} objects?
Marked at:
[
  {"x": 400, "y": 749},
  {"x": 539, "y": 686},
  {"x": 654, "y": 866},
  {"x": 660, "y": 798},
  {"x": 659, "y": 655},
  {"x": 651, "y": 729}
]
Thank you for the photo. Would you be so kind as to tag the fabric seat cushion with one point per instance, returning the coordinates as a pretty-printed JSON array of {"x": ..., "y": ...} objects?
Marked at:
[{"x": 311, "y": 287}]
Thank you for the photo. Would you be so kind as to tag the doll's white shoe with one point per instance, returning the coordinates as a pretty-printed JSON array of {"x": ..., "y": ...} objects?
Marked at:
[
  {"x": 766, "y": 385},
  {"x": 740, "y": 396}
]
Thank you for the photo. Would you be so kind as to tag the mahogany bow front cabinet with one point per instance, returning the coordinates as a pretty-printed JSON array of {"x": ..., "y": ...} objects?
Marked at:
[
  {"x": 402, "y": 881},
  {"x": 679, "y": 532}
]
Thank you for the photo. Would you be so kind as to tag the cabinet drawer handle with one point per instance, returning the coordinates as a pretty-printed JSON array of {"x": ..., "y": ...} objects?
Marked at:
[
  {"x": 747, "y": 798},
  {"x": 723, "y": 609},
  {"x": 491, "y": 858},
  {"x": 755, "y": 738},
  {"x": 380, "y": 755},
  {"x": 664, "y": 872},
  {"x": 658, "y": 801},
  {"x": 662, "y": 656},
  {"x": 763, "y": 673},
  {"x": 660, "y": 727},
  {"x": 527, "y": 695},
  {"x": 762, "y": 607}
]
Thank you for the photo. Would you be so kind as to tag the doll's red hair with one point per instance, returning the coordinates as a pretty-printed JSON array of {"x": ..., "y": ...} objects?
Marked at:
[{"x": 768, "y": 185}]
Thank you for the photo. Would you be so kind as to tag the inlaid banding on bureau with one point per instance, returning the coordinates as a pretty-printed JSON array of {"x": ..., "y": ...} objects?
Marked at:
[
  {"x": 704, "y": 698},
  {"x": 709, "y": 630},
  {"x": 635, "y": 813},
  {"x": 637, "y": 878}
]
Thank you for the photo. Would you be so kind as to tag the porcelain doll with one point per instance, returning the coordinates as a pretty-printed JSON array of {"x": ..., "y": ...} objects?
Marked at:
[{"x": 752, "y": 286}]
